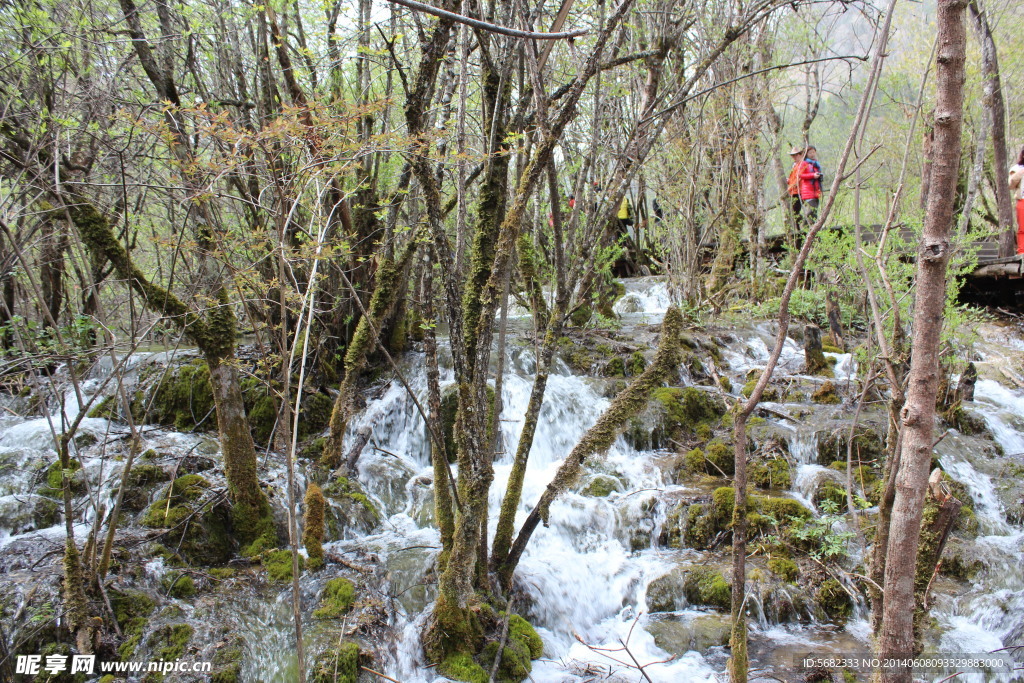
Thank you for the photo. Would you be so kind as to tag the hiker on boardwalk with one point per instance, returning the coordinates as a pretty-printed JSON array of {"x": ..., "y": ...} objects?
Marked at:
[{"x": 1017, "y": 187}]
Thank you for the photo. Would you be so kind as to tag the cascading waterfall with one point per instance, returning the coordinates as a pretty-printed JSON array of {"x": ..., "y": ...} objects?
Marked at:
[{"x": 589, "y": 571}]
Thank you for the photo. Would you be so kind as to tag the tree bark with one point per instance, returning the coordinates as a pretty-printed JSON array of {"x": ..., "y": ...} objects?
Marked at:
[
  {"x": 918, "y": 415},
  {"x": 992, "y": 99}
]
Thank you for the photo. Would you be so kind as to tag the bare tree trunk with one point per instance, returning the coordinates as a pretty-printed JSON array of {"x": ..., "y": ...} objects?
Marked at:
[
  {"x": 918, "y": 416},
  {"x": 992, "y": 100}
]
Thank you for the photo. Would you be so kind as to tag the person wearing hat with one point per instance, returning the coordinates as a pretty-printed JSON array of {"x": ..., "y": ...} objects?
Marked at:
[{"x": 793, "y": 184}]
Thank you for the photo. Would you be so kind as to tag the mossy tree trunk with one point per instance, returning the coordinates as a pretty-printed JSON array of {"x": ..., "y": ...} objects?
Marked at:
[
  {"x": 388, "y": 288},
  {"x": 213, "y": 331}
]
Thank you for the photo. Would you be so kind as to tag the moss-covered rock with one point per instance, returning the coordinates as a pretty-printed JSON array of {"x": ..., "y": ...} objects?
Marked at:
[
  {"x": 199, "y": 526},
  {"x": 315, "y": 414},
  {"x": 523, "y": 631},
  {"x": 351, "y": 508},
  {"x": 132, "y": 610},
  {"x": 707, "y": 586},
  {"x": 278, "y": 564},
  {"x": 313, "y": 524},
  {"x": 615, "y": 367},
  {"x": 826, "y": 394},
  {"x": 461, "y": 667},
  {"x": 54, "y": 475},
  {"x": 182, "y": 398},
  {"x": 178, "y": 585},
  {"x": 169, "y": 642},
  {"x": 703, "y": 525},
  {"x": 681, "y": 587},
  {"x": 832, "y": 491},
  {"x": 139, "y": 485},
  {"x": 601, "y": 486},
  {"x": 515, "y": 663},
  {"x": 227, "y": 661},
  {"x": 686, "y": 408},
  {"x": 770, "y": 473},
  {"x": 868, "y": 446},
  {"x": 338, "y": 598},
  {"x": 833, "y": 602},
  {"x": 784, "y": 568},
  {"x": 636, "y": 364},
  {"x": 106, "y": 409},
  {"x": 338, "y": 664},
  {"x": 261, "y": 412},
  {"x": 753, "y": 376}
]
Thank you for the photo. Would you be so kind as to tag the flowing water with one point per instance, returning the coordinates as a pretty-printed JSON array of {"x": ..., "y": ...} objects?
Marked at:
[{"x": 588, "y": 571}]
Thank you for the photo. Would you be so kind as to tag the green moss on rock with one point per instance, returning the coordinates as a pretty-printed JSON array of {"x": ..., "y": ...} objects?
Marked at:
[
  {"x": 278, "y": 564},
  {"x": 338, "y": 664},
  {"x": 829, "y": 490},
  {"x": 338, "y": 598},
  {"x": 616, "y": 367},
  {"x": 784, "y": 568},
  {"x": 826, "y": 394},
  {"x": 169, "y": 642},
  {"x": 198, "y": 528},
  {"x": 313, "y": 524},
  {"x": 707, "y": 586},
  {"x": 106, "y": 409},
  {"x": 521, "y": 630},
  {"x": 771, "y": 473},
  {"x": 636, "y": 364},
  {"x": 515, "y": 663},
  {"x": 686, "y": 408},
  {"x": 131, "y": 609},
  {"x": 461, "y": 667},
  {"x": 178, "y": 585},
  {"x": 182, "y": 399},
  {"x": 601, "y": 486},
  {"x": 315, "y": 414},
  {"x": 833, "y": 601},
  {"x": 53, "y": 479}
]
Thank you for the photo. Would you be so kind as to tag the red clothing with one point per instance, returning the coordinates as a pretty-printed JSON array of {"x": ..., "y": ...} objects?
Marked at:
[
  {"x": 808, "y": 186},
  {"x": 1020, "y": 226}
]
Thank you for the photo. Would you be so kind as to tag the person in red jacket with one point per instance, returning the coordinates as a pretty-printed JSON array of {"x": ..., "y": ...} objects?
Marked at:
[{"x": 809, "y": 173}]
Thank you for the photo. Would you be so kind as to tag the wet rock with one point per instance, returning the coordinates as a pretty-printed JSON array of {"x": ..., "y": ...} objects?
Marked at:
[
  {"x": 602, "y": 486},
  {"x": 197, "y": 520},
  {"x": 827, "y": 394},
  {"x": 349, "y": 509},
  {"x": 679, "y": 635},
  {"x": 688, "y": 586},
  {"x": 833, "y": 602},
  {"x": 338, "y": 598}
]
